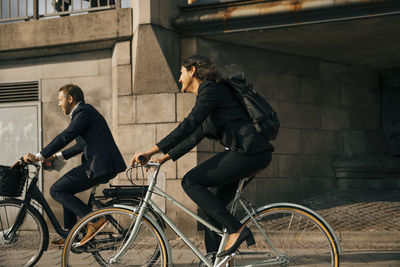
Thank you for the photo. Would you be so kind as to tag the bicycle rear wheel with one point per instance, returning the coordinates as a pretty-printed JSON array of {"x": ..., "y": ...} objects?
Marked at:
[
  {"x": 25, "y": 246},
  {"x": 148, "y": 249},
  {"x": 298, "y": 237}
]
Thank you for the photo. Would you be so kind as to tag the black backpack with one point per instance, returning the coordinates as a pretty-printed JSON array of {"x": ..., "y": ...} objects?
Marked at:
[{"x": 264, "y": 117}]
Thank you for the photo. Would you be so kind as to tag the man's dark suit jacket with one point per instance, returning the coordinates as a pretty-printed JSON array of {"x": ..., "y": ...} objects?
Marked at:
[
  {"x": 88, "y": 127},
  {"x": 218, "y": 115}
]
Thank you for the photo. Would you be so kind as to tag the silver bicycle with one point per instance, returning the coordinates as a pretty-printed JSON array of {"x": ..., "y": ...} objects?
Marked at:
[{"x": 286, "y": 234}]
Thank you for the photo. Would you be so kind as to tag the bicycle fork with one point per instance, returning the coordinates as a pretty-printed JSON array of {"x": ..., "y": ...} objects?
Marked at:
[
  {"x": 136, "y": 226},
  {"x": 8, "y": 236},
  {"x": 132, "y": 237}
]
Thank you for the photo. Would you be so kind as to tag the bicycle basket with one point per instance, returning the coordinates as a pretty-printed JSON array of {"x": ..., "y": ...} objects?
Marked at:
[{"x": 12, "y": 181}]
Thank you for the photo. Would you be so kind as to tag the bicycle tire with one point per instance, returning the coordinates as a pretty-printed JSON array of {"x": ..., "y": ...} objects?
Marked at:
[
  {"x": 300, "y": 237},
  {"x": 133, "y": 202},
  {"x": 31, "y": 239},
  {"x": 107, "y": 243}
]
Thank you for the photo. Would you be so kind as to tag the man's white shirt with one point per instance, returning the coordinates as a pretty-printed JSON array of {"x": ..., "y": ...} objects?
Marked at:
[{"x": 59, "y": 155}]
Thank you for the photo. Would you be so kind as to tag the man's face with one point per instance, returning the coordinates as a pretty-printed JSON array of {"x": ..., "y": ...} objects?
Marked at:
[
  {"x": 186, "y": 80},
  {"x": 65, "y": 102}
]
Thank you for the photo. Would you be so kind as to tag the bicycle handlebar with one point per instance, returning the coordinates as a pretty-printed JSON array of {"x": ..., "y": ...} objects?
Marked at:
[
  {"x": 142, "y": 158},
  {"x": 152, "y": 164},
  {"x": 148, "y": 164},
  {"x": 23, "y": 163}
]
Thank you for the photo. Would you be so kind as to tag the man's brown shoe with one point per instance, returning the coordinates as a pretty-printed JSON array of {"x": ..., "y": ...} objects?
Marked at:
[
  {"x": 58, "y": 242},
  {"x": 92, "y": 230}
]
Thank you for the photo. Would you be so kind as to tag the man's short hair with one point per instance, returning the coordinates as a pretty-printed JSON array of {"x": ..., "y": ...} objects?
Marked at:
[{"x": 74, "y": 91}]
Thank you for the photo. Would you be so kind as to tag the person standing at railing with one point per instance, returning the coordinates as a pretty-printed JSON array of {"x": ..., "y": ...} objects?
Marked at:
[
  {"x": 96, "y": 3},
  {"x": 61, "y": 5},
  {"x": 101, "y": 158},
  {"x": 217, "y": 114}
]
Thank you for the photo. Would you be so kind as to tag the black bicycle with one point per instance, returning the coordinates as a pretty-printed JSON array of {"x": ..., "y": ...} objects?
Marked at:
[{"x": 24, "y": 234}]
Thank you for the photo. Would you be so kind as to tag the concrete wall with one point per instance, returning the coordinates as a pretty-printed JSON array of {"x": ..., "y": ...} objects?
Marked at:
[
  {"x": 154, "y": 107},
  {"x": 91, "y": 50},
  {"x": 70, "y": 34},
  {"x": 326, "y": 111},
  {"x": 131, "y": 79},
  {"x": 92, "y": 71}
]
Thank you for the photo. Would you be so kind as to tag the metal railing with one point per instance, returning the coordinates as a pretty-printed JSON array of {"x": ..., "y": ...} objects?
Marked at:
[
  {"x": 14, "y": 10},
  {"x": 17, "y": 10}
]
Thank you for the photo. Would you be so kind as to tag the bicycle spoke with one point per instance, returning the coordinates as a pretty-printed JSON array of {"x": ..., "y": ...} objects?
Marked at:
[
  {"x": 298, "y": 237},
  {"x": 24, "y": 245},
  {"x": 144, "y": 251}
]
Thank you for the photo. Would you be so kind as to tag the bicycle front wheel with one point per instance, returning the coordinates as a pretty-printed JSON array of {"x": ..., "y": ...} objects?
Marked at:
[
  {"x": 23, "y": 237},
  {"x": 148, "y": 249},
  {"x": 287, "y": 235}
]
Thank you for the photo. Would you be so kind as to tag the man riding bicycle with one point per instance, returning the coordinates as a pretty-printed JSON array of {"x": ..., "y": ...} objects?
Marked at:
[{"x": 101, "y": 158}]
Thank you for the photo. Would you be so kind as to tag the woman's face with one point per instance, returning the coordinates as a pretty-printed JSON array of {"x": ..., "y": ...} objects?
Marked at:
[{"x": 186, "y": 79}]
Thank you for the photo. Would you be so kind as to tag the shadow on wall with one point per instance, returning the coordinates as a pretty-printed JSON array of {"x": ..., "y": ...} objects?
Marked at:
[{"x": 390, "y": 85}]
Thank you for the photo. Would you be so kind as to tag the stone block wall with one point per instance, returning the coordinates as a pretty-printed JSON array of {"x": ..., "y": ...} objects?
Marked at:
[
  {"x": 326, "y": 111},
  {"x": 91, "y": 71}
]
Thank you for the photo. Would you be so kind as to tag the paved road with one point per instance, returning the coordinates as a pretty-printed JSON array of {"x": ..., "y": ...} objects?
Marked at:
[
  {"x": 350, "y": 258},
  {"x": 368, "y": 224}
]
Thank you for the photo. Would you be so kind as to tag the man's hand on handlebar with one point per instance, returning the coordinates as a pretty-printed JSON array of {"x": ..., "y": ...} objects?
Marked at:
[
  {"x": 30, "y": 158},
  {"x": 47, "y": 162}
]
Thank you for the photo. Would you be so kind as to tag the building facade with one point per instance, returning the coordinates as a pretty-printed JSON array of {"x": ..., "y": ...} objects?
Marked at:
[{"x": 326, "y": 89}]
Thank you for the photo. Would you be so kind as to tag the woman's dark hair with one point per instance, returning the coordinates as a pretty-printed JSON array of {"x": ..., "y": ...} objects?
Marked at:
[
  {"x": 74, "y": 91},
  {"x": 205, "y": 69}
]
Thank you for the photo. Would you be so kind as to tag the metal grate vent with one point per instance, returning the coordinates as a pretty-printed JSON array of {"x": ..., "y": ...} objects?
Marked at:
[{"x": 19, "y": 91}]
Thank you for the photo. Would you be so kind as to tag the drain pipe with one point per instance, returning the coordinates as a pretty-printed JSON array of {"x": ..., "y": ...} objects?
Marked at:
[{"x": 261, "y": 14}]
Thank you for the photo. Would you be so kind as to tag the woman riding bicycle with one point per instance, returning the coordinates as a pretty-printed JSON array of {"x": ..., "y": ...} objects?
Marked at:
[{"x": 217, "y": 114}]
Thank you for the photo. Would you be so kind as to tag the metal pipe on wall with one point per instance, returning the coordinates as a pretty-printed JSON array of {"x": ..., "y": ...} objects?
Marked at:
[{"x": 229, "y": 17}]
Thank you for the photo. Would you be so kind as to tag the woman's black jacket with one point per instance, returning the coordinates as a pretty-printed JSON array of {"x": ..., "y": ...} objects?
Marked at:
[{"x": 217, "y": 114}]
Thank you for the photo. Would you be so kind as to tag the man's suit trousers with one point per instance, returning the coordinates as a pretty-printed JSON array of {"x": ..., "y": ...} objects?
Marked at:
[{"x": 64, "y": 190}]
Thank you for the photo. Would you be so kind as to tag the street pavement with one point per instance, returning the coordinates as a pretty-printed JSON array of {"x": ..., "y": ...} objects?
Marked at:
[{"x": 367, "y": 223}]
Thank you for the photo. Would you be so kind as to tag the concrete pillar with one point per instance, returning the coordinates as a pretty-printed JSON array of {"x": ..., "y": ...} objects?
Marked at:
[
  {"x": 155, "y": 60},
  {"x": 121, "y": 83},
  {"x": 155, "y": 49}
]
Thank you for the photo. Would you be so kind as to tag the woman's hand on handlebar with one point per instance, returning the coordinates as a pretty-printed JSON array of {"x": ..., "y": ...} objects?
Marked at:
[
  {"x": 163, "y": 159},
  {"x": 144, "y": 157},
  {"x": 141, "y": 158}
]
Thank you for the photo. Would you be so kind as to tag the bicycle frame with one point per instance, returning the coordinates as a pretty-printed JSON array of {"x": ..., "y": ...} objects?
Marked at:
[
  {"x": 33, "y": 192},
  {"x": 153, "y": 189}
]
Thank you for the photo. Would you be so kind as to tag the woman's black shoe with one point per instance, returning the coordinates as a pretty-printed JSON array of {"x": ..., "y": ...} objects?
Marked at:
[{"x": 245, "y": 234}]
